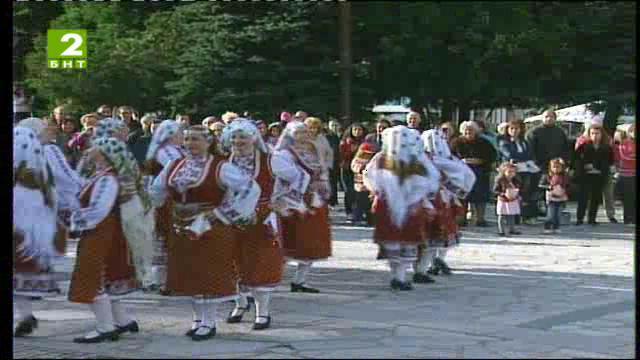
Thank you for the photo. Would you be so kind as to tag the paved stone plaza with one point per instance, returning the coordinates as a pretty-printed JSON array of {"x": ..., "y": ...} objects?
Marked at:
[{"x": 555, "y": 296}]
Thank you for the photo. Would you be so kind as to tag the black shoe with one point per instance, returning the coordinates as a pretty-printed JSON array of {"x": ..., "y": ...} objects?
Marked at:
[
  {"x": 207, "y": 336},
  {"x": 262, "y": 326},
  {"x": 152, "y": 288},
  {"x": 613, "y": 220},
  {"x": 593, "y": 223},
  {"x": 301, "y": 288},
  {"x": 579, "y": 222},
  {"x": 131, "y": 327},
  {"x": 190, "y": 332},
  {"x": 501, "y": 234},
  {"x": 440, "y": 264},
  {"x": 102, "y": 337},
  {"x": 419, "y": 278},
  {"x": 26, "y": 326},
  {"x": 237, "y": 318},
  {"x": 516, "y": 232},
  {"x": 402, "y": 286},
  {"x": 381, "y": 254},
  {"x": 433, "y": 271},
  {"x": 482, "y": 224}
]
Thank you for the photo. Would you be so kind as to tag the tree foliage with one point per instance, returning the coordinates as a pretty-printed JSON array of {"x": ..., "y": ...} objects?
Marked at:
[{"x": 209, "y": 57}]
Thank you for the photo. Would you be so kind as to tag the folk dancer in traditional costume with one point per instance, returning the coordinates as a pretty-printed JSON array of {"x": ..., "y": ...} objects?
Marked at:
[
  {"x": 115, "y": 226},
  {"x": 68, "y": 183},
  {"x": 456, "y": 181},
  {"x": 165, "y": 147},
  {"x": 282, "y": 185},
  {"x": 37, "y": 235},
  {"x": 306, "y": 235},
  {"x": 403, "y": 181},
  {"x": 210, "y": 196},
  {"x": 108, "y": 127}
]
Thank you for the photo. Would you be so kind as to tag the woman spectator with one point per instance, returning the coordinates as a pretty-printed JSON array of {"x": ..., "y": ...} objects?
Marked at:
[
  {"x": 592, "y": 164},
  {"x": 273, "y": 132},
  {"x": 351, "y": 140},
  {"x": 479, "y": 154},
  {"x": 376, "y": 138},
  {"x": 608, "y": 189},
  {"x": 333, "y": 137},
  {"x": 361, "y": 211},
  {"x": 625, "y": 156},
  {"x": 515, "y": 149},
  {"x": 449, "y": 131},
  {"x": 80, "y": 141}
]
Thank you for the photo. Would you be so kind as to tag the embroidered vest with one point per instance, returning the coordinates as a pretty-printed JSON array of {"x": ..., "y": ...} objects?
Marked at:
[{"x": 203, "y": 190}]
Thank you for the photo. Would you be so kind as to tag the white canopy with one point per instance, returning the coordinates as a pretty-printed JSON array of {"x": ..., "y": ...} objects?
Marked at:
[{"x": 578, "y": 113}]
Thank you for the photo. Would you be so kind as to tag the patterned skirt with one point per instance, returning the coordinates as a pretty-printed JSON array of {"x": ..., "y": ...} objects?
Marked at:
[
  {"x": 103, "y": 264},
  {"x": 307, "y": 237},
  {"x": 31, "y": 278},
  {"x": 259, "y": 257},
  {"x": 442, "y": 230},
  {"x": 163, "y": 228},
  {"x": 204, "y": 266},
  {"x": 386, "y": 231}
]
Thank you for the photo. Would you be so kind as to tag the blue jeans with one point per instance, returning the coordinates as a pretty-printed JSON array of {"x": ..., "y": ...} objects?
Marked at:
[{"x": 554, "y": 209}]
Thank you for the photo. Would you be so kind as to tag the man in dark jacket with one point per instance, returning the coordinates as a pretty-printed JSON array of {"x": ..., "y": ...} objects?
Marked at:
[
  {"x": 546, "y": 142},
  {"x": 333, "y": 137},
  {"x": 376, "y": 139},
  {"x": 140, "y": 144}
]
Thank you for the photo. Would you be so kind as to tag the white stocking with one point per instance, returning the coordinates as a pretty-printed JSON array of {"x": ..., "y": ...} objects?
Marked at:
[
  {"x": 401, "y": 271},
  {"x": 241, "y": 304},
  {"x": 159, "y": 274},
  {"x": 431, "y": 255},
  {"x": 424, "y": 260},
  {"x": 208, "y": 308},
  {"x": 23, "y": 306},
  {"x": 196, "y": 312},
  {"x": 101, "y": 308},
  {"x": 442, "y": 252},
  {"x": 263, "y": 298},
  {"x": 301, "y": 273},
  {"x": 121, "y": 315}
]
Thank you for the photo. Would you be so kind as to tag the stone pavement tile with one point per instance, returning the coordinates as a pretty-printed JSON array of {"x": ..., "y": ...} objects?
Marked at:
[
  {"x": 331, "y": 345},
  {"x": 596, "y": 344},
  {"x": 371, "y": 352},
  {"x": 184, "y": 346},
  {"x": 408, "y": 334},
  {"x": 564, "y": 353}
]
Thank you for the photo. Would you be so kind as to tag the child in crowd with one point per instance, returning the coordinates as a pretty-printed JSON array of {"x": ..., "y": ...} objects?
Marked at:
[
  {"x": 507, "y": 188},
  {"x": 556, "y": 184},
  {"x": 361, "y": 212}
]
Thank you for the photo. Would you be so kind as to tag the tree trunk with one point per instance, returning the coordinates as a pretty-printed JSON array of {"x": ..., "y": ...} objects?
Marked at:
[
  {"x": 464, "y": 109},
  {"x": 344, "y": 14},
  {"x": 613, "y": 111}
]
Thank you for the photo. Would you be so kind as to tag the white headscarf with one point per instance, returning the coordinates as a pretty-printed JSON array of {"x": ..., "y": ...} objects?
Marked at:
[
  {"x": 247, "y": 127},
  {"x": 36, "y": 124},
  {"x": 286, "y": 138},
  {"x": 459, "y": 177},
  {"x": 34, "y": 209},
  {"x": 165, "y": 131},
  {"x": 404, "y": 145},
  {"x": 109, "y": 127}
]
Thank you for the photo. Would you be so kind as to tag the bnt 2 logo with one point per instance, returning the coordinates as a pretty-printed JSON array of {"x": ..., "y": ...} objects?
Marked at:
[{"x": 67, "y": 49}]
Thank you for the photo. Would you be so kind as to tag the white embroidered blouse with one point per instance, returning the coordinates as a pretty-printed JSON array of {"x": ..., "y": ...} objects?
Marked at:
[
  {"x": 68, "y": 182},
  {"x": 103, "y": 198},
  {"x": 291, "y": 181},
  {"x": 241, "y": 191}
]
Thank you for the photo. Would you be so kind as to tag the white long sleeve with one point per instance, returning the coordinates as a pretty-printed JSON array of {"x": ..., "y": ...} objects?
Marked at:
[
  {"x": 103, "y": 197},
  {"x": 291, "y": 181},
  {"x": 68, "y": 182},
  {"x": 159, "y": 190},
  {"x": 167, "y": 154}
]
